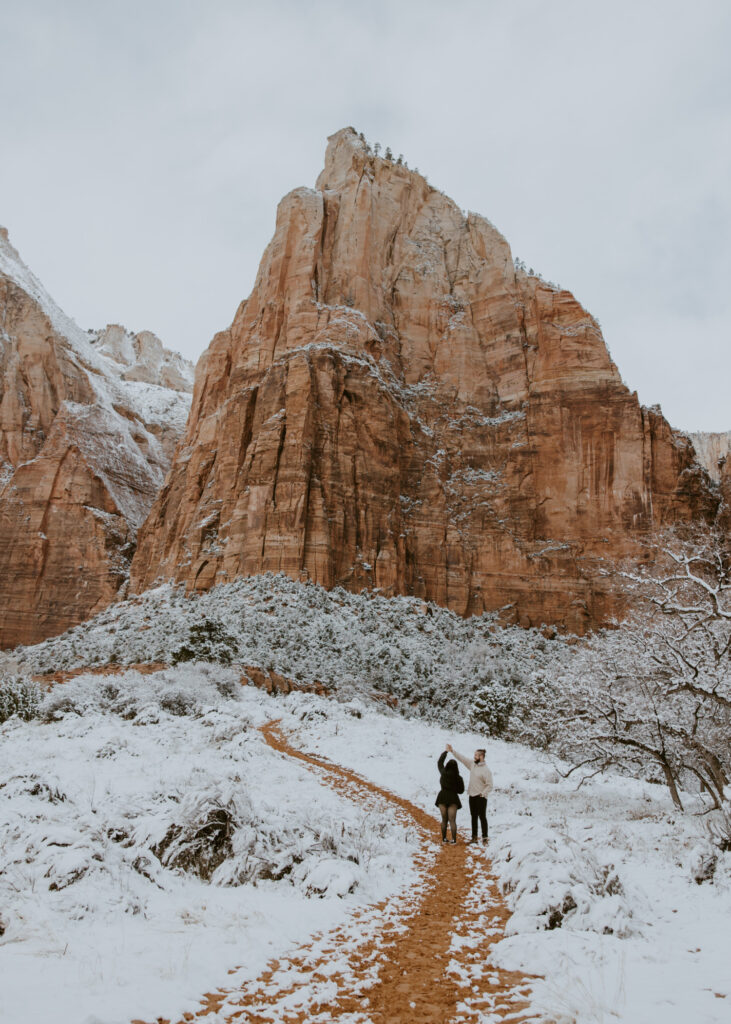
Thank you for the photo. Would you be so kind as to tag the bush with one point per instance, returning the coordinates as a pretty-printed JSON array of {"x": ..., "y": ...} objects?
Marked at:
[
  {"x": 719, "y": 827},
  {"x": 187, "y": 691},
  {"x": 553, "y": 881},
  {"x": 492, "y": 707},
  {"x": 703, "y": 863},
  {"x": 207, "y": 641},
  {"x": 19, "y": 696},
  {"x": 203, "y": 840}
]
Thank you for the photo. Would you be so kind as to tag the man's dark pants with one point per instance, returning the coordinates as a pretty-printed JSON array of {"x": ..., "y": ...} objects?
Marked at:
[{"x": 478, "y": 810}]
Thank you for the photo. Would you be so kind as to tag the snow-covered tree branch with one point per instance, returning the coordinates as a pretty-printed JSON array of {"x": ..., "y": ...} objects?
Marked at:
[{"x": 655, "y": 695}]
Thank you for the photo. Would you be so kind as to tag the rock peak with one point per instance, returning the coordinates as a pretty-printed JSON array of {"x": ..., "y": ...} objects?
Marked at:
[
  {"x": 348, "y": 155},
  {"x": 397, "y": 406}
]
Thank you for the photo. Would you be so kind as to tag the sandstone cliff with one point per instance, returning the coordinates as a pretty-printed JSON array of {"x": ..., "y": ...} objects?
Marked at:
[
  {"x": 712, "y": 450},
  {"x": 396, "y": 406},
  {"x": 86, "y": 437}
]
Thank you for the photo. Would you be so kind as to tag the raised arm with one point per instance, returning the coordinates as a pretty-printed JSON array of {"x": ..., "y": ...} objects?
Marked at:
[
  {"x": 466, "y": 761},
  {"x": 440, "y": 762}
]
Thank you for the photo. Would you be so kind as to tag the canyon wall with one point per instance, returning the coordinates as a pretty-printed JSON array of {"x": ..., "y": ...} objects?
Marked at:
[
  {"x": 88, "y": 425},
  {"x": 712, "y": 450},
  {"x": 398, "y": 406}
]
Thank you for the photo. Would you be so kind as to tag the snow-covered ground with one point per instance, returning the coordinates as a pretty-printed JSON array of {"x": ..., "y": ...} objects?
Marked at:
[
  {"x": 115, "y": 903},
  {"x": 644, "y": 942},
  {"x": 106, "y": 909}
]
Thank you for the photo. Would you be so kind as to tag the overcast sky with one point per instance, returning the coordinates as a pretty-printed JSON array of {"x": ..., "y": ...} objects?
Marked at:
[{"x": 144, "y": 148}]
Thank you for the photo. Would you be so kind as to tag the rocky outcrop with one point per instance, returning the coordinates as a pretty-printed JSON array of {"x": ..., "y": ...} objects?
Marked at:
[
  {"x": 397, "y": 406},
  {"x": 143, "y": 357},
  {"x": 86, "y": 437},
  {"x": 712, "y": 450},
  {"x": 724, "y": 486}
]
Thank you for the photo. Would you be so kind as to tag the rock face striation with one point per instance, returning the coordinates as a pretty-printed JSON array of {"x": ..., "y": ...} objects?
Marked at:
[
  {"x": 88, "y": 425},
  {"x": 398, "y": 406},
  {"x": 712, "y": 451}
]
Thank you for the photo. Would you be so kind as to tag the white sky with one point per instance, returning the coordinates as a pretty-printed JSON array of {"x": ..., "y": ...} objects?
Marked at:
[{"x": 144, "y": 148}]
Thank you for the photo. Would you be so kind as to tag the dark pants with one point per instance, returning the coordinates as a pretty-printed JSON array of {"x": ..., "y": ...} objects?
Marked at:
[
  {"x": 478, "y": 810},
  {"x": 449, "y": 814}
]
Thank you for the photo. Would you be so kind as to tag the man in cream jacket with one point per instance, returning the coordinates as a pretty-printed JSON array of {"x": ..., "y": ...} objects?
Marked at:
[{"x": 479, "y": 786}]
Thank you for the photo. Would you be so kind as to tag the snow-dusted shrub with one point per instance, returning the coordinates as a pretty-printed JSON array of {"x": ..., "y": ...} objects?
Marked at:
[
  {"x": 329, "y": 877},
  {"x": 719, "y": 827},
  {"x": 207, "y": 641},
  {"x": 220, "y": 835},
  {"x": 429, "y": 660},
  {"x": 203, "y": 839},
  {"x": 19, "y": 696},
  {"x": 492, "y": 707},
  {"x": 702, "y": 862},
  {"x": 552, "y": 881},
  {"x": 539, "y": 713},
  {"x": 523, "y": 706},
  {"x": 42, "y": 786},
  {"x": 186, "y": 691}
]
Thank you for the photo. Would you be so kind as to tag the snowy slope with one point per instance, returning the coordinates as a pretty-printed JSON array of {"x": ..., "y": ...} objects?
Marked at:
[
  {"x": 94, "y": 350},
  {"x": 424, "y": 657},
  {"x": 12, "y": 266},
  {"x": 651, "y": 945},
  {"x": 130, "y": 382},
  {"x": 87, "y": 905},
  {"x": 90, "y": 908}
]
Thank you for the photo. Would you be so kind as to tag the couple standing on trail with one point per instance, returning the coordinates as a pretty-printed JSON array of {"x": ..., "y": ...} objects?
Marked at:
[{"x": 451, "y": 784}]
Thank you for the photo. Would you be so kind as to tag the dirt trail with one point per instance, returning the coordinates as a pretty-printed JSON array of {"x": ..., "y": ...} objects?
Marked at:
[{"x": 421, "y": 956}]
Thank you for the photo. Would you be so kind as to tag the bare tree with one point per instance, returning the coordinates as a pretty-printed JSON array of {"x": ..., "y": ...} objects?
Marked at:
[{"x": 655, "y": 694}]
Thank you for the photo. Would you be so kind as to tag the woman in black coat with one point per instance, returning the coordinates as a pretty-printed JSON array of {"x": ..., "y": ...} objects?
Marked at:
[{"x": 451, "y": 785}]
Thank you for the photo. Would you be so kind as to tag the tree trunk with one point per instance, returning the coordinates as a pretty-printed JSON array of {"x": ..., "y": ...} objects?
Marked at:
[{"x": 670, "y": 780}]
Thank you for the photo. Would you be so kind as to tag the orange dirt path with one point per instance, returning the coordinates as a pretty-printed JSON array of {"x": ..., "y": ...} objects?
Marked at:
[{"x": 394, "y": 963}]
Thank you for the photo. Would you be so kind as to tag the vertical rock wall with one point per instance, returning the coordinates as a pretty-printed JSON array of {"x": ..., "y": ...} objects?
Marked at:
[{"x": 396, "y": 406}]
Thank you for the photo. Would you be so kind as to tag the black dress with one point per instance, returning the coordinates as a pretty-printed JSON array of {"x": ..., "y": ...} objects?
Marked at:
[{"x": 449, "y": 781}]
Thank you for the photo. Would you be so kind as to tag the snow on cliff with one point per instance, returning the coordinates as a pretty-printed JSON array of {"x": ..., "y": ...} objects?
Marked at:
[
  {"x": 89, "y": 424},
  {"x": 711, "y": 450}
]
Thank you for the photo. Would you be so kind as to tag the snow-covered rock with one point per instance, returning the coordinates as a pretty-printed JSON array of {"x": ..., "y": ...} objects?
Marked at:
[
  {"x": 712, "y": 449},
  {"x": 88, "y": 425},
  {"x": 143, "y": 357}
]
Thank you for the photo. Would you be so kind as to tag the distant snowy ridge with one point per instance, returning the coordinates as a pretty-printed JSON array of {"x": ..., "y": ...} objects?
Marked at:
[
  {"x": 12, "y": 266},
  {"x": 125, "y": 372},
  {"x": 99, "y": 351},
  {"x": 143, "y": 357},
  {"x": 90, "y": 422}
]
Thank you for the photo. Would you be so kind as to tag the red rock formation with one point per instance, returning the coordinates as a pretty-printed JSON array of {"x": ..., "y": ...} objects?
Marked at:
[
  {"x": 396, "y": 406},
  {"x": 724, "y": 517},
  {"x": 84, "y": 447},
  {"x": 712, "y": 451}
]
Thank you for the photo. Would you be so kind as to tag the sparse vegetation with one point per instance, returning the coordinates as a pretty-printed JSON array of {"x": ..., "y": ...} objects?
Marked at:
[{"x": 19, "y": 696}]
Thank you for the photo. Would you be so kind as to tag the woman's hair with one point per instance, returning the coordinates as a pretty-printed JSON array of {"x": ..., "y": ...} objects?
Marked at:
[{"x": 451, "y": 766}]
